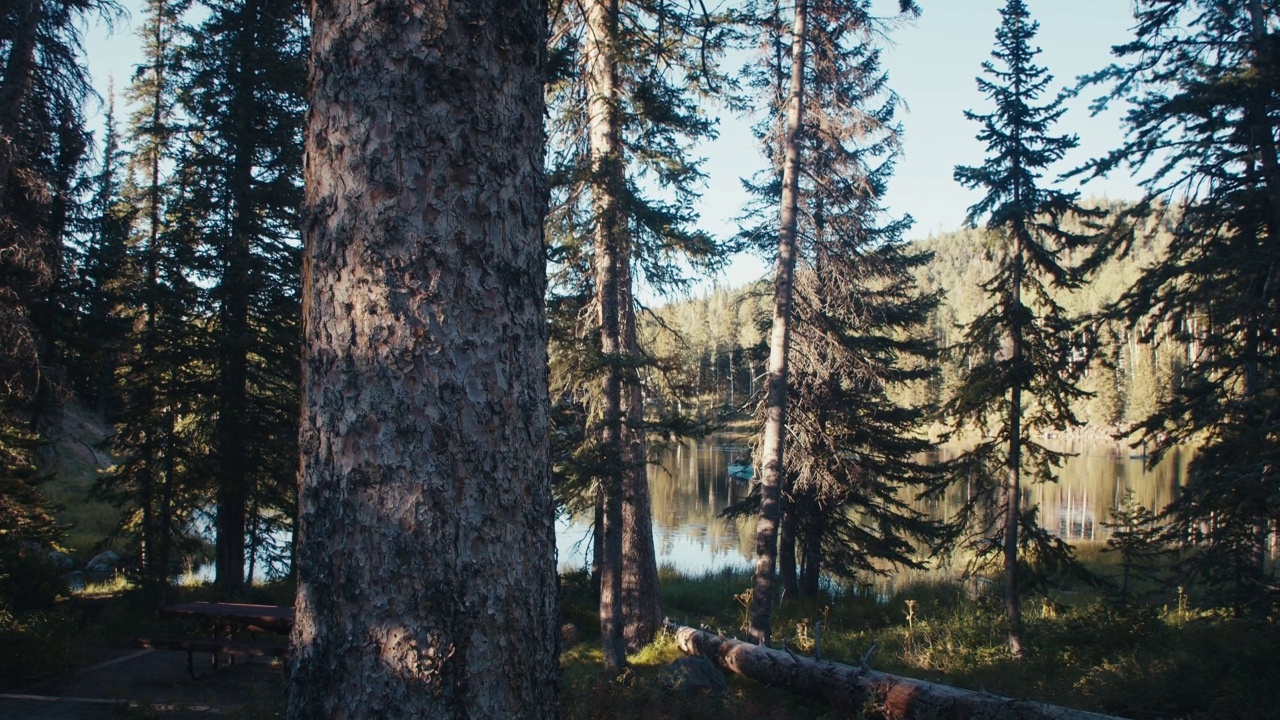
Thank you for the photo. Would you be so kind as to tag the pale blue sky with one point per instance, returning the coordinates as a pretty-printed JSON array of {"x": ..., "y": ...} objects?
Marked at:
[{"x": 932, "y": 64}]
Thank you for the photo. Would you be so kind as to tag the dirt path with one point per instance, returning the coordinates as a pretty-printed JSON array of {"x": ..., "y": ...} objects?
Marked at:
[{"x": 135, "y": 683}]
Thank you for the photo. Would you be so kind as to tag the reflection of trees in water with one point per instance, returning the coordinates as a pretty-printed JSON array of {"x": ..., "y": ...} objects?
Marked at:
[
  {"x": 1088, "y": 485},
  {"x": 690, "y": 486}
]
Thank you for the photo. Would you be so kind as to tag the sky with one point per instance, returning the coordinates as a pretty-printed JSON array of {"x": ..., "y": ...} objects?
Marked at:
[{"x": 932, "y": 64}]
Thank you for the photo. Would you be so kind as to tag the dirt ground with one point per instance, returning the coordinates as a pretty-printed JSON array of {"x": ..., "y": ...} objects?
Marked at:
[{"x": 132, "y": 683}]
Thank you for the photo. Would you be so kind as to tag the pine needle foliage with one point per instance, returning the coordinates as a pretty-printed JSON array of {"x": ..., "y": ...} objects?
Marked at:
[
  {"x": 1201, "y": 81},
  {"x": 1021, "y": 353},
  {"x": 850, "y": 451}
]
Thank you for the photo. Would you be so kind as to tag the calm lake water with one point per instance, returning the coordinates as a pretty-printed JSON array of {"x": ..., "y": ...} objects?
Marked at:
[{"x": 690, "y": 485}]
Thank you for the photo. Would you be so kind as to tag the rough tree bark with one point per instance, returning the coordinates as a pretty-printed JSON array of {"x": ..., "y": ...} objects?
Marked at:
[
  {"x": 426, "y": 557},
  {"x": 773, "y": 470},
  {"x": 606, "y": 186},
  {"x": 641, "y": 595},
  {"x": 859, "y": 689},
  {"x": 1013, "y": 490},
  {"x": 236, "y": 288}
]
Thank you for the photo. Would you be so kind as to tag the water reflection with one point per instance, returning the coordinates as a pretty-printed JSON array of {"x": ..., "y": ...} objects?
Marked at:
[{"x": 690, "y": 485}]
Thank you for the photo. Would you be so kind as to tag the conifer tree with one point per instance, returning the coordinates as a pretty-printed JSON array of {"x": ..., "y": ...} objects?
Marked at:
[
  {"x": 158, "y": 379},
  {"x": 105, "y": 279},
  {"x": 1020, "y": 377},
  {"x": 242, "y": 89},
  {"x": 1201, "y": 79},
  {"x": 625, "y": 106},
  {"x": 43, "y": 86},
  {"x": 786, "y": 80}
]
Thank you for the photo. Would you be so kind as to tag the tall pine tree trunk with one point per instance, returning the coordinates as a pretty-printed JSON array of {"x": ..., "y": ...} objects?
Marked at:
[
  {"x": 1265, "y": 143},
  {"x": 236, "y": 290},
  {"x": 607, "y": 184},
  {"x": 787, "y": 548},
  {"x": 426, "y": 557},
  {"x": 1013, "y": 489},
  {"x": 641, "y": 596},
  {"x": 774, "y": 472}
]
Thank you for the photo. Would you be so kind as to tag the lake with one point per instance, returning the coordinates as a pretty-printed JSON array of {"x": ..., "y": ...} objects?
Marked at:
[{"x": 690, "y": 485}]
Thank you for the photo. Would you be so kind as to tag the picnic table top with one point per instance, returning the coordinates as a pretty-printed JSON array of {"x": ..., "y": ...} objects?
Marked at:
[{"x": 270, "y": 617}]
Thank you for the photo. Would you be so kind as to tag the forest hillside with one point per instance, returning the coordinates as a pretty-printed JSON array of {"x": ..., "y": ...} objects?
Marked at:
[{"x": 715, "y": 342}]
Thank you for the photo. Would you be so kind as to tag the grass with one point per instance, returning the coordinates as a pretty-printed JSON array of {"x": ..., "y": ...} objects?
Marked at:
[{"x": 1082, "y": 649}]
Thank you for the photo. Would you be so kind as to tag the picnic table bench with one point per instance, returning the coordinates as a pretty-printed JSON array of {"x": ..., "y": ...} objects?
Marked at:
[{"x": 221, "y": 628}]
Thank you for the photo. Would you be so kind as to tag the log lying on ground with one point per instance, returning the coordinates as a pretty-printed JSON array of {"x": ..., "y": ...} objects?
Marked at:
[{"x": 854, "y": 689}]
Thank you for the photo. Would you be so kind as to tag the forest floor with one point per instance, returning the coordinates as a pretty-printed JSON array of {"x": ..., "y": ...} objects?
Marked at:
[
  {"x": 1141, "y": 661},
  {"x": 131, "y": 683}
]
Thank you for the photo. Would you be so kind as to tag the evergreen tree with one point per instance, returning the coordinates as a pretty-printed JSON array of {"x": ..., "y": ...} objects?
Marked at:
[
  {"x": 242, "y": 89},
  {"x": 786, "y": 74},
  {"x": 158, "y": 377},
  {"x": 1136, "y": 535},
  {"x": 1020, "y": 376},
  {"x": 426, "y": 557},
  {"x": 43, "y": 86},
  {"x": 1201, "y": 79},
  {"x": 105, "y": 277},
  {"x": 624, "y": 102},
  {"x": 858, "y": 321}
]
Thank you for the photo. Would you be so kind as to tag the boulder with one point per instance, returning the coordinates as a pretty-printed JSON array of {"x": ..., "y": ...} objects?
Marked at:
[
  {"x": 75, "y": 580},
  {"x": 693, "y": 674},
  {"x": 60, "y": 560},
  {"x": 103, "y": 565}
]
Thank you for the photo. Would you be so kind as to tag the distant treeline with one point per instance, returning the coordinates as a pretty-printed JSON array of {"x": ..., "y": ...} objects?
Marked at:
[{"x": 716, "y": 344}]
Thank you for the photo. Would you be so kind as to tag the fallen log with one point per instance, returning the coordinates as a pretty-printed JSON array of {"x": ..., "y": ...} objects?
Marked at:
[{"x": 858, "y": 689}]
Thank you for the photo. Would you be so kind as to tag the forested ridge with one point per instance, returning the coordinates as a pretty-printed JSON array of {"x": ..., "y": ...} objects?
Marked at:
[
  {"x": 357, "y": 298},
  {"x": 717, "y": 338}
]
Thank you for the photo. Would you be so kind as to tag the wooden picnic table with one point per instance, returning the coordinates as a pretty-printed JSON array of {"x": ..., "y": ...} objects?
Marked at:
[
  {"x": 234, "y": 617},
  {"x": 220, "y": 626}
]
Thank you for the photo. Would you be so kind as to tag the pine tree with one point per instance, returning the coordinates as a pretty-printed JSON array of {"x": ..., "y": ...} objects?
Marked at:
[
  {"x": 1020, "y": 376},
  {"x": 106, "y": 275},
  {"x": 43, "y": 87},
  {"x": 1201, "y": 79},
  {"x": 636, "y": 69},
  {"x": 242, "y": 89},
  {"x": 426, "y": 551},
  {"x": 159, "y": 381},
  {"x": 1136, "y": 534},
  {"x": 787, "y": 78}
]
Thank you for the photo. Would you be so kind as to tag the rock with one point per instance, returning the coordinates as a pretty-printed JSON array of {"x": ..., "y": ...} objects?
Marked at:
[
  {"x": 60, "y": 560},
  {"x": 102, "y": 566},
  {"x": 108, "y": 560},
  {"x": 75, "y": 580},
  {"x": 568, "y": 635},
  {"x": 693, "y": 674}
]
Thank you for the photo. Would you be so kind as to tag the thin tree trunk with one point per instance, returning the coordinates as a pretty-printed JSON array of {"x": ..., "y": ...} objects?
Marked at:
[
  {"x": 641, "y": 595},
  {"x": 811, "y": 541},
  {"x": 236, "y": 289},
  {"x": 773, "y": 470},
  {"x": 426, "y": 555},
  {"x": 1013, "y": 490},
  {"x": 787, "y": 549},
  {"x": 606, "y": 169},
  {"x": 1265, "y": 143}
]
